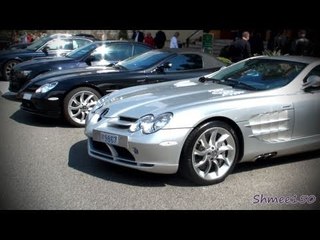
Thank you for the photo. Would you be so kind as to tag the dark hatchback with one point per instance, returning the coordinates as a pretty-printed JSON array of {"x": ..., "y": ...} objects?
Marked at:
[
  {"x": 101, "y": 53},
  {"x": 73, "y": 93},
  {"x": 55, "y": 45}
]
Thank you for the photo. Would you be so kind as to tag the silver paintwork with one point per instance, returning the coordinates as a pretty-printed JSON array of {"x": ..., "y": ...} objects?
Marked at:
[{"x": 279, "y": 121}]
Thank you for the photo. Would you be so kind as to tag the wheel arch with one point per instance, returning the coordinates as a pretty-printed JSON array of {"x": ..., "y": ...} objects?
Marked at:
[
  {"x": 19, "y": 60},
  {"x": 232, "y": 124},
  {"x": 82, "y": 85}
]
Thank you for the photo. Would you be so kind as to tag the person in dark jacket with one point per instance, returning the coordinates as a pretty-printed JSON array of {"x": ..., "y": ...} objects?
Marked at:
[
  {"x": 241, "y": 49},
  {"x": 137, "y": 36},
  {"x": 160, "y": 39},
  {"x": 301, "y": 46}
]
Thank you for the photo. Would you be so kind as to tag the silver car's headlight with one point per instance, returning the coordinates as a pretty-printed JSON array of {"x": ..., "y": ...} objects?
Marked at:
[
  {"x": 46, "y": 87},
  {"x": 150, "y": 124}
]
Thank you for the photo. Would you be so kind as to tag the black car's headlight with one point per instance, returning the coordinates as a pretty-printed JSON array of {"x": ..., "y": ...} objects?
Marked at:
[
  {"x": 46, "y": 87},
  {"x": 150, "y": 124},
  {"x": 25, "y": 72}
]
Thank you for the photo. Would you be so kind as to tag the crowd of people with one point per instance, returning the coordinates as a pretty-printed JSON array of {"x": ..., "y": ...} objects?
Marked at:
[
  {"x": 158, "y": 41},
  {"x": 284, "y": 42},
  {"x": 245, "y": 44}
]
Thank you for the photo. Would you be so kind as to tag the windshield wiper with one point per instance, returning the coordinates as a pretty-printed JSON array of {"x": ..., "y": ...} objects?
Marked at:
[
  {"x": 232, "y": 83},
  {"x": 235, "y": 83}
]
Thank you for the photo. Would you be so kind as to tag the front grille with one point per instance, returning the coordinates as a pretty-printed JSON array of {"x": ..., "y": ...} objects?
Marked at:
[{"x": 111, "y": 151}]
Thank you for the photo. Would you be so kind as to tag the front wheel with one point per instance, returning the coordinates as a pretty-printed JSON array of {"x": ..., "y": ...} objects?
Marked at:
[
  {"x": 8, "y": 66},
  {"x": 78, "y": 103},
  {"x": 209, "y": 153}
]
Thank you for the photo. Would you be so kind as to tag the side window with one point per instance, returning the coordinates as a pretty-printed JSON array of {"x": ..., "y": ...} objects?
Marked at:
[
  {"x": 114, "y": 52},
  {"x": 185, "y": 62},
  {"x": 120, "y": 52},
  {"x": 138, "y": 49},
  {"x": 57, "y": 44},
  {"x": 79, "y": 43}
]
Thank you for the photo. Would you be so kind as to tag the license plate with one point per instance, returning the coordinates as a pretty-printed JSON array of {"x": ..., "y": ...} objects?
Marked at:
[
  {"x": 109, "y": 138},
  {"x": 27, "y": 96}
]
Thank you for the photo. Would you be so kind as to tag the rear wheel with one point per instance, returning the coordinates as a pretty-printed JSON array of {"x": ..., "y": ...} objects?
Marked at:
[
  {"x": 78, "y": 103},
  {"x": 8, "y": 66},
  {"x": 209, "y": 153}
]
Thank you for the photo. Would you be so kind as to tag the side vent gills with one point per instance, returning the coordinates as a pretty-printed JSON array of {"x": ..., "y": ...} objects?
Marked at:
[{"x": 265, "y": 156}]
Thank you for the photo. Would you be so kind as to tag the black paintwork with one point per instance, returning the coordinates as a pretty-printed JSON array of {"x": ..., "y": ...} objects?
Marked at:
[
  {"x": 34, "y": 50},
  {"x": 46, "y": 64},
  {"x": 105, "y": 80}
]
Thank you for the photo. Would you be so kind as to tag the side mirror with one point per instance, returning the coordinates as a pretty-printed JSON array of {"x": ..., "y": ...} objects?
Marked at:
[
  {"x": 89, "y": 60},
  {"x": 313, "y": 81},
  {"x": 167, "y": 65},
  {"x": 45, "y": 50},
  {"x": 223, "y": 67}
]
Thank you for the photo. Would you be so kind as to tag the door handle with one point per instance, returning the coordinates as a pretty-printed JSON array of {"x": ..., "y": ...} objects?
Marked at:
[{"x": 141, "y": 80}]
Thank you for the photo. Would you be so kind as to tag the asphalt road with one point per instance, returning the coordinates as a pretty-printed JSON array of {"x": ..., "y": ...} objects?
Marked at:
[{"x": 45, "y": 165}]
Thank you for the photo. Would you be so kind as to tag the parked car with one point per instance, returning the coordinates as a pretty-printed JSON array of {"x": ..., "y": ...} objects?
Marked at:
[
  {"x": 18, "y": 46},
  {"x": 4, "y": 43},
  {"x": 55, "y": 45},
  {"x": 86, "y": 35},
  {"x": 24, "y": 45},
  {"x": 73, "y": 93},
  {"x": 261, "y": 107},
  {"x": 96, "y": 53}
]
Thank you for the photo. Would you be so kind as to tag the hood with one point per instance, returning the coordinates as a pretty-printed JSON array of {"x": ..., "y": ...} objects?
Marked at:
[
  {"x": 15, "y": 52},
  {"x": 169, "y": 96},
  {"x": 72, "y": 73},
  {"x": 42, "y": 61}
]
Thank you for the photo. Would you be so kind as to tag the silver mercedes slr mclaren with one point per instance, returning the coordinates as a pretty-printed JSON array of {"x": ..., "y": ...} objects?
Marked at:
[{"x": 261, "y": 107}]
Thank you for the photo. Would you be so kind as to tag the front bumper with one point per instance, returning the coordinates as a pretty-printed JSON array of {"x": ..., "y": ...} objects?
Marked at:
[
  {"x": 158, "y": 152},
  {"x": 17, "y": 81},
  {"x": 42, "y": 105}
]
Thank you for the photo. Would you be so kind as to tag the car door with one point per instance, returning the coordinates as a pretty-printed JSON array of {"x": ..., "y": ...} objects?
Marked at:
[
  {"x": 182, "y": 66},
  {"x": 307, "y": 110}
]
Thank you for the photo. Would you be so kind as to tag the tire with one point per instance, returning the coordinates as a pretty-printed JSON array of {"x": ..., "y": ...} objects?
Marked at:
[
  {"x": 7, "y": 69},
  {"x": 206, "y": 162},
  {"x": 78, "y": 103}
]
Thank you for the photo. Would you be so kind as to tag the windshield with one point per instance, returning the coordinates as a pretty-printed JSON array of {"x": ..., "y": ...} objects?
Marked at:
[
  {"x": 38, "y": 43},
  {"x": 82, "y": 51},
  {"x": 144, "y": 60},
  {"x": 259, "y": 74}
]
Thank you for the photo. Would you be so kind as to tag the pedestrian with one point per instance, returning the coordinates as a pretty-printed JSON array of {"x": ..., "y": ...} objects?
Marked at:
[
  {"x": 301, "y": 46},
  {"x": 160, "y": 39},
  {"x": 240, "y": 49},
  {"x": 174, "y": 40},
  {"x": 148, "y": 39},
  {"x": 137, "y": 36}
]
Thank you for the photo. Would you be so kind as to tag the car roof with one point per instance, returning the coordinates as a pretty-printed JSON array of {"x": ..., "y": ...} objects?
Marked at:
[{"x": 120, "y": 41}]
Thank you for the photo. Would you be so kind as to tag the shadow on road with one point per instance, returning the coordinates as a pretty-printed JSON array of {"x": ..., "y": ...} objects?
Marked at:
[
  {"x": 81, "y": 161},
  {"x": 38, "y": 121}
]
